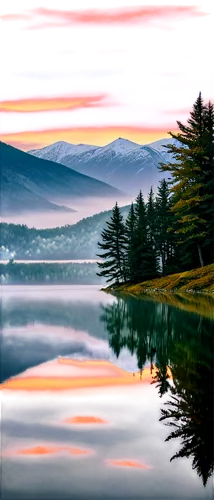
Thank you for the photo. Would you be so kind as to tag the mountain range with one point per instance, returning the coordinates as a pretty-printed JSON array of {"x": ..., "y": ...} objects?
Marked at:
[
  {"x": 122, "y": 163},
  {"x": 31, "y": 184}
]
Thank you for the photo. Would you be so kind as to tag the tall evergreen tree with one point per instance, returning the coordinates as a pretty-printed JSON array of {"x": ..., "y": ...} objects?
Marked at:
[
  {"x": 131, "y": 244},
  {"x": 165, "y": 229},
  {"x": 191, "y": 194},
  {"x": 114, "y": 244},
  {"x": 207, "y": 190},
  {"x": 145, "y": 262},
  {"x": 140, "y": 239},
  {"x": 152, "y": 255},
  {"x": 151, "y": 217},
  {"x": 176, "y": 260}
]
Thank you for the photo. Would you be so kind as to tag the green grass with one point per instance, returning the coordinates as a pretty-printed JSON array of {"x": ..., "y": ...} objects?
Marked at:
[{"x": 197, "y": 280}]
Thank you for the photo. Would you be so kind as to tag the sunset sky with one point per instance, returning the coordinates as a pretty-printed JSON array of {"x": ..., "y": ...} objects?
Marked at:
[{"x": 94, "y": 114}]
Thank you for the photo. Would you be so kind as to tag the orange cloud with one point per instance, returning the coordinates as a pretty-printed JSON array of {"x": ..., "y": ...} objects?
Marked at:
[
  {"x": 35, "y": 105},
  {"x": 98, "y": 135},
  {"x": 158, "y": 117},
  {"x": 83, "y": 420},
  {"x": 128, "y": 463},
  {"x": 50, "y": 450}
]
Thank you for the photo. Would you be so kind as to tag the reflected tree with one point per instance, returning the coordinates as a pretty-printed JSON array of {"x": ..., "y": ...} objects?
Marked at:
[
  {"x": 114, "y": 317},
  {"x": 190, "y": 410},
  {"x": 161, "y": 378},
  {"x": 180, "y": 346}
]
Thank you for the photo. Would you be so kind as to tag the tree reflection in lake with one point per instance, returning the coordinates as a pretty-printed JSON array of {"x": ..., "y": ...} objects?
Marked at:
[{"x": 179, "y": 343}]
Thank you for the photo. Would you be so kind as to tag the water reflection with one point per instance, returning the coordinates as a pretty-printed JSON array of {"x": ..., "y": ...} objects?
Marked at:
[
  {"x": 73, "y": 410},
  {"x": 180, "y": 345}
]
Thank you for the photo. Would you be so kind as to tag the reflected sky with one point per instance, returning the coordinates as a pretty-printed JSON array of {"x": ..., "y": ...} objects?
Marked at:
[
  {"x": 67, "y": 373},
  {"x": 78, "y": 422},
  {"x": 38, "y": 441}
]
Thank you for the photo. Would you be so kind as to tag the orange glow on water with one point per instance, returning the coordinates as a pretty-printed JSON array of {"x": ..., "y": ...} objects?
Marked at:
[
  {"x": 84, "y": 420},
  {"x": 128, "y": 463},
  {"x": 63, "y": 378},
  {"x": 50, "y": 450}
]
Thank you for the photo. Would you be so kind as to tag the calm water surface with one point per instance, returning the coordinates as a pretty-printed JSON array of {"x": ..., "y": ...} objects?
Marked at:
[
  {"x": 100, "y": 393},
  {"x": 71, "y": 261}
]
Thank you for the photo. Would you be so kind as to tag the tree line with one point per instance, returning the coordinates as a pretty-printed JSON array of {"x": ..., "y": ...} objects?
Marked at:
[{"x": 174, "y": 230}]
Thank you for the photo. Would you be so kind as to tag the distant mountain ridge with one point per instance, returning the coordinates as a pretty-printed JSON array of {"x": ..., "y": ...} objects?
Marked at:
[
  {"x": 60, "y": 149},
  {"x": 122, "y": 163},
  {"x": 31, "y": 184}
]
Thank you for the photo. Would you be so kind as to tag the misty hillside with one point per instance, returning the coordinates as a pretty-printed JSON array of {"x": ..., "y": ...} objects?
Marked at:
[
  {"x": 32, "y": 184},
  {"x": 78, "y": 241},
  {"x": 16, "y": 198}
]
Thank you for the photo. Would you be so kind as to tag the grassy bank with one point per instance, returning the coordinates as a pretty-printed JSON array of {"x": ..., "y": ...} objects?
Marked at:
[{"x": 197, "y": 280}]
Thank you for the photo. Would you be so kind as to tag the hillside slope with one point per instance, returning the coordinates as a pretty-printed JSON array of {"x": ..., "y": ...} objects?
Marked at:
[
  {"x": 17, "y": 198},
  {"x": 29, "y": 183}
]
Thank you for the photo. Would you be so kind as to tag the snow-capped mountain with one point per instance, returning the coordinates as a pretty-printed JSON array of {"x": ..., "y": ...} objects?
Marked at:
[
  {"x": 57, "y": 151},
  {"x": 159, "y": 145},
  {"x": 120, "y": 146},
  {"x": 122, "y": 163}
]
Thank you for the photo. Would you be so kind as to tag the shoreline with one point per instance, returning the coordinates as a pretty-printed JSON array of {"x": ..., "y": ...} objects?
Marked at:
[
  {"x": 200, "y": 280},
  {"x": 199, "y": 298}
]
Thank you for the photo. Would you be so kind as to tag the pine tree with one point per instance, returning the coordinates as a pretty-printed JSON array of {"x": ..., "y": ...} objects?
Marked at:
[
  {"x": 176, "y": 259},
  {"x": 208, "y": 183},
  {"x": 131, "y": 243},
  {"x": 191, "y": 194},
  {"x": 151, "y": 216},
  {"x": 140, "y": 239},
  {"x": 145, "y": 262},
  {"x": 152, "y": 256},
  {"x": 114, "y": 246},
  {"x": 165, "y": 236}
]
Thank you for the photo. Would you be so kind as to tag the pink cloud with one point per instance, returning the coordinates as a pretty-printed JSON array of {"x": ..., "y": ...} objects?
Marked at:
[{"x": 56, "y": 18}]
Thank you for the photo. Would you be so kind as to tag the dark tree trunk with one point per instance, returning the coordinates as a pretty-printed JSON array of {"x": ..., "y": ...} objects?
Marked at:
[{"x": 200, "y": 256}]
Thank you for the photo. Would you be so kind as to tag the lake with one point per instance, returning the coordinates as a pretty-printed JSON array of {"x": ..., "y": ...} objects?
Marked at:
[
  {"x": 92, "y": 385},
  {"x": 71, "y": 261}
]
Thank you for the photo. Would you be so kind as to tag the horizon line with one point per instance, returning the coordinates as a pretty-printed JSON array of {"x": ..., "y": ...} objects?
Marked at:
[{"x": 84, "y": 144}]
